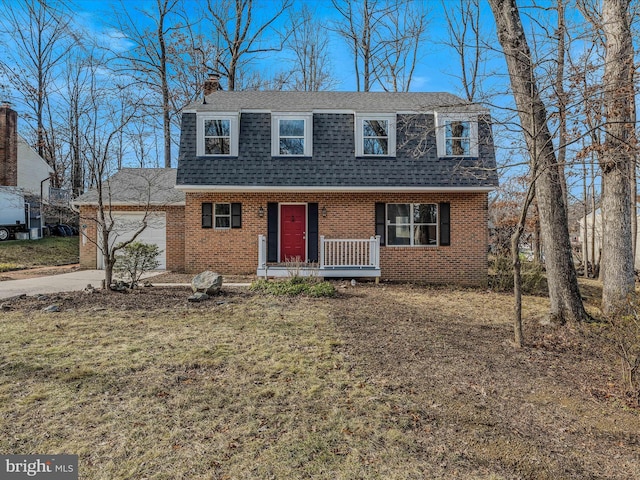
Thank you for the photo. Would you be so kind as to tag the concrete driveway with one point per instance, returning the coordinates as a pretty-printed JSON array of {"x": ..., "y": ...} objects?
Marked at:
[{"x": 64, "y": 282}]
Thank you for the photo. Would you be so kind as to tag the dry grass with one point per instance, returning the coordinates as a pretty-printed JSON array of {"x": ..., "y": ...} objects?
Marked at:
[
  {"x": 382, "y": 382},
  {"x": 49, "y": 251}
]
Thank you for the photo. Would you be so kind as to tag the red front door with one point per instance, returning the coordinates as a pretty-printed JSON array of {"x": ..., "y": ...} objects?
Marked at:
[{"x": 293, "y": 233}]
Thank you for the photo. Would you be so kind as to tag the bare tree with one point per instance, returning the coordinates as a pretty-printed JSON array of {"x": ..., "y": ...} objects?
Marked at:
[
  {"x": 401, "y": 35},
  {"x": 463, "y": 27},
  {"x": 101, "y": 125},
  {"x": 384, "y": 37},
  {"x": 239, "y": 38},
  {"x": 149, "y": 62},
  {"x": 309, "y": 45},
  {"x": 566, "y": 303},
  {"x": 37, "y": 37}
]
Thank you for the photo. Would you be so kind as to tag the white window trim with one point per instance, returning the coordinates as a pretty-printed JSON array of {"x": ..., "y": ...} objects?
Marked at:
[
  {"x": 391, "y": 142},
  {"x": 215, "y": 215},
  {"x": 441, "y": 120},
  {"x": 412, "y": 224},
  {"x": 233, "y": 118},
  {"x": 275, "y": 133}
]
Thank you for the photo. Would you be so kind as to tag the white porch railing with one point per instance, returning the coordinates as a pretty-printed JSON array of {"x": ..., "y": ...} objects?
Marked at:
[
  {"x": 338, "y": 257},
  {"x": 350, "y": 253}
]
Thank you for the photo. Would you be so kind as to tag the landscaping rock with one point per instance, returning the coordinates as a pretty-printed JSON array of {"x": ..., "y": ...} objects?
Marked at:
[
  {"x": 207, "y": 282},
  {"x": 5, "y": 307},
  {"x": 42, "y": 297},
  {"x": 198, "y": 297},
  {"x": 51, "y": 309},
  {"x": 89, "y": 289}
]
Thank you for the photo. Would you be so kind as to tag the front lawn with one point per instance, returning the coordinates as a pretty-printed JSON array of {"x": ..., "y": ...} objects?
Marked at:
[
  {"x": 48, "y": 251},
  {"x": 387, "y": 382}
]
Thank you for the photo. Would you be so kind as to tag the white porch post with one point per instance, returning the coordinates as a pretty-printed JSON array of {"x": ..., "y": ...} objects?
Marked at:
[
  {"x": 262, "y": 251},
  {"x": 321, "y": 252},
  {"x": 375, "y": 251}
]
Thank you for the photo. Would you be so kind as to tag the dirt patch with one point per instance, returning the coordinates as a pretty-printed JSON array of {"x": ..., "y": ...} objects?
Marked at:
[
  {"x": 38, "y": 272},
  {"x": 535, "y": 411},
  {"x": 174, "y": 277},
  {"x": 153, "y": 299}
]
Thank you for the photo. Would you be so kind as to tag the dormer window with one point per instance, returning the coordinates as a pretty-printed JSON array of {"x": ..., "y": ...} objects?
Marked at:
[
  {"x": 376, "y": 135},
  {"x": 218, "y": 135},
  {"x": 291, "y": 135},
  {"x": 457, "y": 135}
]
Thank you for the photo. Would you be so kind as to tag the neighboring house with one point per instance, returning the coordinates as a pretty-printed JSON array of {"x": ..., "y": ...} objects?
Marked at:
[
  {"x": 390, "y": 185},
  {"x": 130, "y": 197},
  {"x": 593, "y": 222},
  {"x": 22, "y": 167}
]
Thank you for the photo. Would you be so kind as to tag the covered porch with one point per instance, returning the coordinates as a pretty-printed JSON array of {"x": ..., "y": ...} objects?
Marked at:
[{"x": 337, "y": 258}]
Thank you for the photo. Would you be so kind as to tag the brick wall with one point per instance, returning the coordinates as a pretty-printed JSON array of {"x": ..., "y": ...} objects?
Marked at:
[
  {"x": 349, "y": 215},
  {"x": 175, "y": 235},
  {"x": 8, "y": 146}
]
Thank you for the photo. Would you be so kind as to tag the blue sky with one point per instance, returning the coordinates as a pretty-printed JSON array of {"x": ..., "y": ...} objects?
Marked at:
[{"x": 433, "y": 73}]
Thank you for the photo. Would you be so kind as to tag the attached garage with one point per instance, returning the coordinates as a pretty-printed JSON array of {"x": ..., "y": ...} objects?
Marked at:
[
  {"x": 126, "y": 224},
  {"x": 133, "y": 195}
]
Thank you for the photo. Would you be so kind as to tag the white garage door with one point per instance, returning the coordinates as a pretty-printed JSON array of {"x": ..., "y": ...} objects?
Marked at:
[{"x": 126, "y": 224}]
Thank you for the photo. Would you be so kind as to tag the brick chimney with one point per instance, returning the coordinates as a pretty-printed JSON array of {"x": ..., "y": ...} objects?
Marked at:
[
  {"x": 8, "y": 145},
  {"x": 212, "y": 84}
]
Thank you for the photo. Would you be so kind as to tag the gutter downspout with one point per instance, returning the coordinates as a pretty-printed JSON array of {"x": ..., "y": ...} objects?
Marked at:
[{"x": 42, "y": 206}]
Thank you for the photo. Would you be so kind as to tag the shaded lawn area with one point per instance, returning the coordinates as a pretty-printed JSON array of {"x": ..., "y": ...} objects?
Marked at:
[{"x": 388, "y": 382}]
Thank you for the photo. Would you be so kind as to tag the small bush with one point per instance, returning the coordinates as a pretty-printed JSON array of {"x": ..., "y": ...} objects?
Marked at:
[
  {"x": 294, "y": 286},
  {"x": 534, "y": 281},
  {"x": 135, "y": 259}
]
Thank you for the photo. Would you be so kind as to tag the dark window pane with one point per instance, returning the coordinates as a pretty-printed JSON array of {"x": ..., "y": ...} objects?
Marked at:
[
  {"x": 223, "y": 209},
  {"x": 217, "y": 128},
  {"x": 292, "y": 146},
  {"x": 424, "y": 235},
  {"x": 398, "y": 212},
  {"x": 425, "y": 213},
  {"x": 292, "y": 128},
  {"x": 217, "y": 146},
  {"x": 398, "y": 235},
  {"x": 375, "y": 128},
  {"x": 375, "y": 146},
  {"x": 223, "y": 222}
]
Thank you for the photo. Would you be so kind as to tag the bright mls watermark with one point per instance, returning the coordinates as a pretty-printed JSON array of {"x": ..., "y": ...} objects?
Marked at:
[{"x": 49, "y": 467}]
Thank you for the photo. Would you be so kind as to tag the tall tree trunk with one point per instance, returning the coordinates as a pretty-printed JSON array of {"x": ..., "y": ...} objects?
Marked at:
[
  {"x": 562, "y": 104},
  {"x": 566, "y": 303},
  {"x": 617, "y": 159}
]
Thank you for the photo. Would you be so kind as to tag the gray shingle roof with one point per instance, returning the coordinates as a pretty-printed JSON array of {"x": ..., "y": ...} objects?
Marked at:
[
  {"x": 365, "y": 102},
  {"x": 334, "y": 163},
  {"x": 137, "y": 186}
]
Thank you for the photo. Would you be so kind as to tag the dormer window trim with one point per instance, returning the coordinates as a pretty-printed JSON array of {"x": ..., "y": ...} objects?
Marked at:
[
  {"x": 375, "y": 135},
  {"x": 223, "y": 132},
  {"x": 289, "y": 138},
  {"x": 457, "y": 135}
]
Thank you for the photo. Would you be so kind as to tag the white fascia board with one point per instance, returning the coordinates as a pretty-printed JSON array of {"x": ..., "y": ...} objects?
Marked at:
[
  {"x": 316, "y": 189},
  {"x": 130, "y": 204}
]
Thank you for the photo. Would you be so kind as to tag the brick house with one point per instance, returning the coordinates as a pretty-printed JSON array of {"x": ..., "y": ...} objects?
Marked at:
[
  {"x": 390, "y": 185},
  {"x": 342, "y": 184}
]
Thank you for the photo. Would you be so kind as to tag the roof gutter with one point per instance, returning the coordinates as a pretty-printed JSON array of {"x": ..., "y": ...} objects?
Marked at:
[{"x": 322, "y": 189}]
